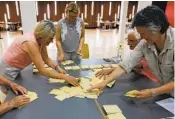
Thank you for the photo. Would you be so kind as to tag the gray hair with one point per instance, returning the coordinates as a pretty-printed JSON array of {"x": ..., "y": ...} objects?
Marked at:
[
  {"x": 153, "y": 18},
  {"x": 153, "y": 28},
  {"x": 132, "y": 31},
  {"x": 45, "y": 30}
]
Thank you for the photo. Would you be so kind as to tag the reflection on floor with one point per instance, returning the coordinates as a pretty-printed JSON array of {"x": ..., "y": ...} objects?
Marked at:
[{"x": 102, "y": 43}]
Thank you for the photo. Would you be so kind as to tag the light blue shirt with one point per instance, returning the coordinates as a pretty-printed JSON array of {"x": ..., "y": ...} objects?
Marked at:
[{"x": 70, "y": 34}]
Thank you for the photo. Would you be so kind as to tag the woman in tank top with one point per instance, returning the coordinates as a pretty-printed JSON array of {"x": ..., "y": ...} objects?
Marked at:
[{"x": 31, "y": 47}]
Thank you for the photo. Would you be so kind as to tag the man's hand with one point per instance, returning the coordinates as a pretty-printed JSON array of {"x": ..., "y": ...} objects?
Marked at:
[
  {"x": 19, "y": 101},
  {"x": 104, "y": 72},
  {"x": 99, "y": 86},
  {"x": 146, "y": 93}
]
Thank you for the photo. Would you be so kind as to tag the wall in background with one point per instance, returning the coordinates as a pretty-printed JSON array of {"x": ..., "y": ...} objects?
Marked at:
[
  {"x": 12, "y": 11},
  {"x": 89, "y": 10},
  {"x": 54, "y": 10}
]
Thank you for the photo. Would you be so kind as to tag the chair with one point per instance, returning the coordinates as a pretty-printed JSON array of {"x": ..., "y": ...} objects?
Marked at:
[{"x": 85, "y": 51}]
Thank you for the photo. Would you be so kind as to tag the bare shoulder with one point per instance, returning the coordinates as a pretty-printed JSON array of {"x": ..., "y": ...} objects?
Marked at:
[{"x": 29, "y": 46}]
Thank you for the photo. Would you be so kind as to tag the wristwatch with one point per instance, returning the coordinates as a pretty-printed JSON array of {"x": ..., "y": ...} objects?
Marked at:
[{"x": 153, "y": 92}]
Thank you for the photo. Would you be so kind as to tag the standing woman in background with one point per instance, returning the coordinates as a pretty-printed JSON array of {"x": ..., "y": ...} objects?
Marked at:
[
  {"x": 70, "y": 34},
  {"x": 31, "y": 47}
]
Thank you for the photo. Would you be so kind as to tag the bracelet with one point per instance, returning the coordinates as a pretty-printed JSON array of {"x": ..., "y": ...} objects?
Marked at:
[{"x": 153, "y": 92}]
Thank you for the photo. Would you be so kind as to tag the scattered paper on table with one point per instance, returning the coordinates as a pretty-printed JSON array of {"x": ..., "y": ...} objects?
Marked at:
[
  {"x": 111, "y": 84},
  {"x": 76, "y": 68},
  {"x": 67, "y": 62},
  {"x": 32, "y": 95},
  {"x": 35, "y": 71},
  {"x": 113, "y": 112},
  {"x": 95, "y": 66},
  {"x": 131, "y": 93},
  {"x": 112, "y": 109},
  {"x": 116, "y": 116},
  {"x": 84, "y": 67},
  {"x": 51, "y": 80},
  {"x": 79, "y": 91},
  {"x": 55, "y": 92},
  {"x": 68, "y": 68}
]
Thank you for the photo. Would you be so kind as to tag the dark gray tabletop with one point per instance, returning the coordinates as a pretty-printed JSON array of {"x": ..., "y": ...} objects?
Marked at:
[
  {"x": 134, "y": 108},
  {"x": 75, "y": 108}
]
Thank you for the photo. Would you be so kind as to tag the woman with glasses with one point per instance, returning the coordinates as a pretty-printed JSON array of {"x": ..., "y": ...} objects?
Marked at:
[
  {"x": 70, "y": 34},
  {"x": 31, "y": 47}
]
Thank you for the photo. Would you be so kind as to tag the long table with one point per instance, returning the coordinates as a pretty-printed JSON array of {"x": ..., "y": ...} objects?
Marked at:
[{"x": 75, "y": 108}]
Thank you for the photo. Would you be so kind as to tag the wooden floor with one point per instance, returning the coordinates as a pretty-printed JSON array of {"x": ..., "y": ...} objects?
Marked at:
[{"x": 102, "y": 43}]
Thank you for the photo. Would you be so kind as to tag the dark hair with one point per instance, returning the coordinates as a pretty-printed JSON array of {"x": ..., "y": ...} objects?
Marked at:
[{"x": 151, "y": 16}]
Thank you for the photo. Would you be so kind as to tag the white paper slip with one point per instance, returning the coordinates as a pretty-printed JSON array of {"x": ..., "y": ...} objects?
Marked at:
[{"x": 168, "y": 104}]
